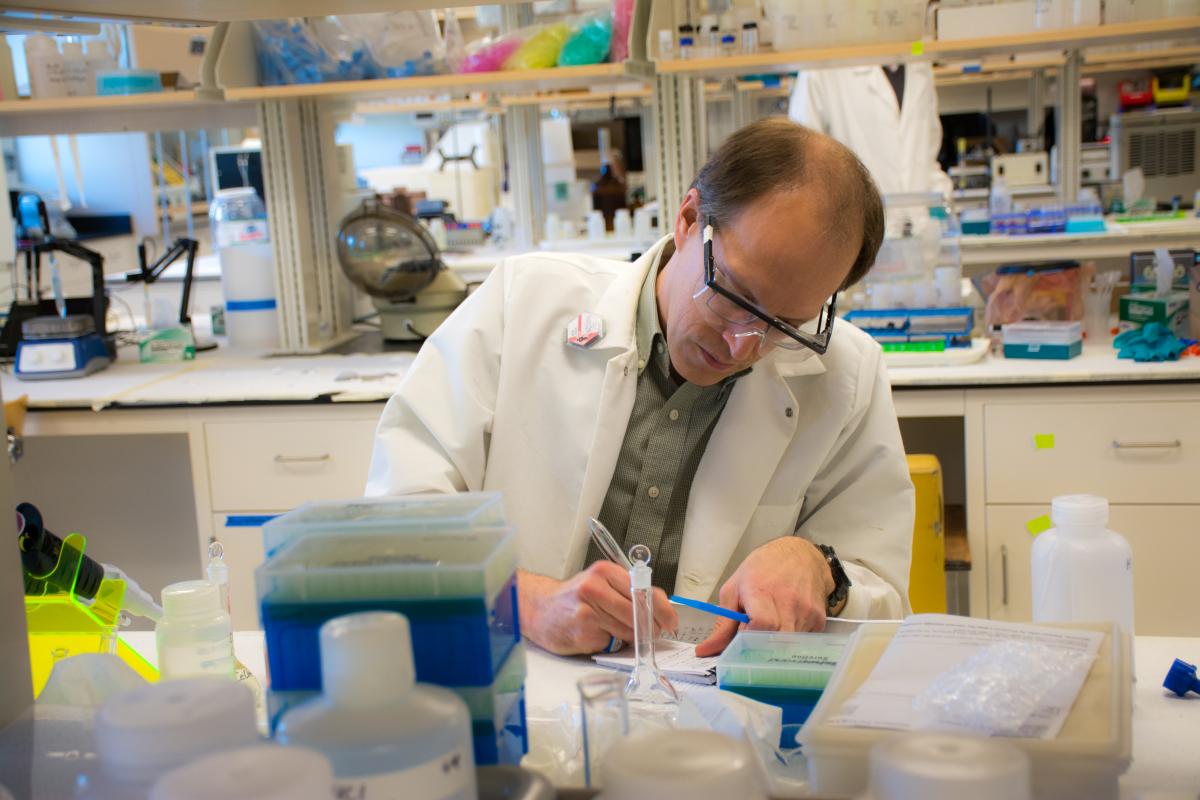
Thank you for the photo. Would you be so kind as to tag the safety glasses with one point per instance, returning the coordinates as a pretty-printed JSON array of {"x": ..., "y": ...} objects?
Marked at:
[{"x": 719, "y": 298}]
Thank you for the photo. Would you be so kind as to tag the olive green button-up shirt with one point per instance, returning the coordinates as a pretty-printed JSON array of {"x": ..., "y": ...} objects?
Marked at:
[{"x": 668, "y": 430}]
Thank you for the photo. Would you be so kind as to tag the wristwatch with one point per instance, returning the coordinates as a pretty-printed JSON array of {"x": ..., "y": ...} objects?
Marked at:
[{"x": 841, "y": 581}]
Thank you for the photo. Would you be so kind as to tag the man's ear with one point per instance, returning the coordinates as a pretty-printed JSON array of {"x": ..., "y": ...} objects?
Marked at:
[{"x": 687, "y": 218}]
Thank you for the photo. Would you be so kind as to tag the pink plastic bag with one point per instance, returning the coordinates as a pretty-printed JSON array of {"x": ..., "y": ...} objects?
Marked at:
[
  {"x": 622, "y": 19},
  {"x": 489, "y": 55}
]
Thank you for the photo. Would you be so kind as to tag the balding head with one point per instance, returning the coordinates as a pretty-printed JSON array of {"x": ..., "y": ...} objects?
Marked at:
[{"x": 778, "y": 155}]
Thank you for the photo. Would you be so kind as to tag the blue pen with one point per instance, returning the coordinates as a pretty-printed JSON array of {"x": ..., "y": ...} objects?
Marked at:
[{"x": 709, "y": 608}]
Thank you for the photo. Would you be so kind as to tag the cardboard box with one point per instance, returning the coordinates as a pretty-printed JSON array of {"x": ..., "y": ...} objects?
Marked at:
[{"x": 1138, "y": 309}]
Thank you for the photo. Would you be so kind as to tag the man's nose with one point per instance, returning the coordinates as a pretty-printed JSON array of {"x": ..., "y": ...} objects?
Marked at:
[{"x": 743, "y": 343}]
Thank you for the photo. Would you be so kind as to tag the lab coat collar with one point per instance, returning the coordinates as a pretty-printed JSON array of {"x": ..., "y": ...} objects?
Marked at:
[{"x": 619, "y": 303}]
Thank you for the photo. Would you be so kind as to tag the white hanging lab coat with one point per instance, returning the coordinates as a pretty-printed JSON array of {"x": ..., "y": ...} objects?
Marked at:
[
  {"x": 497, "y": 400},
  {"x": 857, "y": 106}
]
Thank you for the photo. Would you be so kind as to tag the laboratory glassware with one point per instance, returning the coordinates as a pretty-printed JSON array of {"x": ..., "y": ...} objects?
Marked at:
[
  {"x": 383, "y": 733},
  {"x": 604, "y": 719},
  {"x": 647, "y": 683}
]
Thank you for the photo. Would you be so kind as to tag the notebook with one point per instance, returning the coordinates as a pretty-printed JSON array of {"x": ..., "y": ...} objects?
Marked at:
[{"x": 675, "y": 656}]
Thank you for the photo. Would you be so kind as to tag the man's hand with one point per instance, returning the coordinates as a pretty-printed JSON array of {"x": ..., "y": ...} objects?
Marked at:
[
  {"x": 582, "y": 613},
  {"x": 781, "y": 585}
]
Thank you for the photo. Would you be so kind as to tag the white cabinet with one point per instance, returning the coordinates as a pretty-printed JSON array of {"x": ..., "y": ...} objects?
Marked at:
[
  {"x": 256, "y": 466},
  {"x": 1162, "y": 537},
  {"x": 1128, "y": 452},
  {"x": 1137, "y": 446}
]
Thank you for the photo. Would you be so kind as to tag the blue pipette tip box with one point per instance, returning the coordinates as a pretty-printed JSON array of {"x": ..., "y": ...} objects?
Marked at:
[
  {"x": 445, "y": 562},
  {"x": 787, "y": 670}
]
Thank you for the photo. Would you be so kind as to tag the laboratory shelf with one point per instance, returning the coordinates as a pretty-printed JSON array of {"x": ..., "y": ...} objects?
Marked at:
[
  {"x": 1116, "y": 243},
  {"x": 210, "y": 11},
  {"x": 848, "y": 55},
  {"x": 137, "y": 112},
  {"x": 508, "y": 81},
  {"x": 996, "y": 70}
]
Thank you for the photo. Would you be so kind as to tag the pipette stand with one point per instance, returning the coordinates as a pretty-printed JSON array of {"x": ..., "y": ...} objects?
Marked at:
[{"x": 61, "y": 624}]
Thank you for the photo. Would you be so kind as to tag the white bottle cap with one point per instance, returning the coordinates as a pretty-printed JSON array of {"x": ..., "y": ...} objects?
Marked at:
[
  {"x": 941, "y": 767},
  {"x": 147, "y": 731},
  {"x": 366, "y": 658},
  {"x": 191, "y": 599},
  {"x": 260, "y": 772},
  {"x": 680, "y": 765},
  {"x": 1079, "y": 510}
]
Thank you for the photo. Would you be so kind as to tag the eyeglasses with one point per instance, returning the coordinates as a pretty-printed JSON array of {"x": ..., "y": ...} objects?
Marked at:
[{"x": 718, "y": 297}]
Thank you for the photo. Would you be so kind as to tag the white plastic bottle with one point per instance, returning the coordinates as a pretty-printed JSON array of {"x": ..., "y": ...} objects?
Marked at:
[
  {"x": 1082, "y": 572},
  {"x": 243, "y": 242},
  {"x": 195, "y": 635},
  {"x": 258, "y": 772},
  {"x": 145, "y": 733},
  {"x": 385, "y": 735}
]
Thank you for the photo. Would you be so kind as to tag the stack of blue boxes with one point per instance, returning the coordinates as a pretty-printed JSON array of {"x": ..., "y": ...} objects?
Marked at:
[{"x": 447, "y": 562}]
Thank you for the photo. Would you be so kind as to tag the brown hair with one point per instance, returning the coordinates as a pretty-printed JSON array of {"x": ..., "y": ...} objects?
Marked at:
[{"x": 775, "y": 154}]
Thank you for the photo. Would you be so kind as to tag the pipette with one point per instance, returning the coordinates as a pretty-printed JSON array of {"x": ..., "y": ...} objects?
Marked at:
[{"x": 647, "y": 684}]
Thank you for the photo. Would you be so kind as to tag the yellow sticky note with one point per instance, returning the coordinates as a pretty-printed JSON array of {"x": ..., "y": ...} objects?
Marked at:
[
  {"x": 1043, "y": 441},
  {"x": 1038, "y": 525},
  {"x": 918, "y": 48}
]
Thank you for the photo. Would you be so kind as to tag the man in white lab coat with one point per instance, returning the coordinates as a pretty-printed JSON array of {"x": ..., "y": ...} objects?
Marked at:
[
  {"x": 699, "y": 401},
  {"x": 887, "y": 115}
]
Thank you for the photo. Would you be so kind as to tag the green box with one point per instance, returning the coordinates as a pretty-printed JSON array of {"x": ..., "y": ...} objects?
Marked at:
[
  {"x": 167, "y": 344},
  {"x": 1138, "y": 309}
]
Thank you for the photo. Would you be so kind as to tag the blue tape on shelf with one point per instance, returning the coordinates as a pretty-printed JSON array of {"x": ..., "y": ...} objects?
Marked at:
[
  {"x": 248, "y": 520},
  {"x": 250, "y": 305}
]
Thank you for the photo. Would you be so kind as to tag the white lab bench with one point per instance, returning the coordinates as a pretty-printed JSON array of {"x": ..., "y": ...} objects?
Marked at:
[
  {"x": 263, "y": 435},
  {"x": 1166, "y": 752}
]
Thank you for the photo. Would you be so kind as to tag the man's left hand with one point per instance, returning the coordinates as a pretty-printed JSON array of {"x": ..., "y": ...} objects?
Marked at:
[{"x": 781, "y": 586}]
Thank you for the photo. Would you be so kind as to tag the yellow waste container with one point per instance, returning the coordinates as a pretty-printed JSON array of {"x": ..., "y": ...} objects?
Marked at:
[{"x": 927, "y": 577}]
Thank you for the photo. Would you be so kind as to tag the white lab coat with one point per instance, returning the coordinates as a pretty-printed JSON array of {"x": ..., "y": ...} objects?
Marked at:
[
  {"x": 497, "y": 400},
  {"x": 857, "y": 106}
]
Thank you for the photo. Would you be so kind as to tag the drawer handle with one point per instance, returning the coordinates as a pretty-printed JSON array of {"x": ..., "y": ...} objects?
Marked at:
[
  {"x": 1004, "y": 574},
  {"x": 1174, "y": 444},
  {"x": 282, "y": 459}
]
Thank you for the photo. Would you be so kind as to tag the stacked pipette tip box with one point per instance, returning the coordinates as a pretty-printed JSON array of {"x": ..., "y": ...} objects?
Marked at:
[{"x": 447, "y": 562}]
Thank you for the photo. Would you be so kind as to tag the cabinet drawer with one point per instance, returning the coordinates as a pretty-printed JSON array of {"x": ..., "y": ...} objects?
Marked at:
[
  {"x": 1158, "y": 536},
  {"x": 255, "y": 466},
  {"x": 1127, "y": 452},
  {"x": 241, "y": 538}
]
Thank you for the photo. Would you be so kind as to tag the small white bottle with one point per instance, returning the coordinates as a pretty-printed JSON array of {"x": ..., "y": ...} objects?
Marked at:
[
  {"x": 146, "y": 732},
  {"x": 385, "y": 735},
  {"x": 1081, "y": 571},
  {"x": 195, "y": 634},
  {"x": 258, "y": 772}
]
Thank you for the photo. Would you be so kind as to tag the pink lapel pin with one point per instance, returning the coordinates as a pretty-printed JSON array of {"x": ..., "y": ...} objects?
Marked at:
[{"x": 585, "y": 329}]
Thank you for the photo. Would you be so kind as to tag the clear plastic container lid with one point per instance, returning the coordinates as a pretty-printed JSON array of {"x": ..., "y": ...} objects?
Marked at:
[
  {"x": 441, "y": 513},
  {"x": 237, "y": 204},
  {"x": 393, "y": 565},
  {"x": 1043, "y": 333},
  {"x": 781, "y": 660}
]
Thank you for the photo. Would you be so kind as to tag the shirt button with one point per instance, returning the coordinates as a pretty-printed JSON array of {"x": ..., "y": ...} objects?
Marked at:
[
  {"x": 674, "y": 414},
  {"x": 660, "y": 346},
  {"x": 641, "y": 365},
  {"x": 653, "y": 492}
]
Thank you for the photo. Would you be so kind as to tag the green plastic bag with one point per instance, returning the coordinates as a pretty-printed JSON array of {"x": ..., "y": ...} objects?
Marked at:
[{"x": 589, "y": 44}]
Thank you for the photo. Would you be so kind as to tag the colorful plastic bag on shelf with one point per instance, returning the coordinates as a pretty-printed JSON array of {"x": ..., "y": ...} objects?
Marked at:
[
  {"x": 402, "y": 43},
  {"x": 1049, "y": 292},
  {"x": 309, "y": 51},
  {"x": 589, "y": 43},
  {"x": 622, "y": 20},
  {"x": 489, "y": 55},
  {"x": 540, "y": 51}
]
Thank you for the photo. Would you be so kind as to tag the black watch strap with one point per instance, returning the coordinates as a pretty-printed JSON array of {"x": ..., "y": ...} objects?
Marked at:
[{"x": 841, "y": 581}]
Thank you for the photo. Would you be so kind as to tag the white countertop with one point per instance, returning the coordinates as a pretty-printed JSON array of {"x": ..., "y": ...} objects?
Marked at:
[
  {"x": 1166, "y": 751},
  {"x": 223, "y": 377}
]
